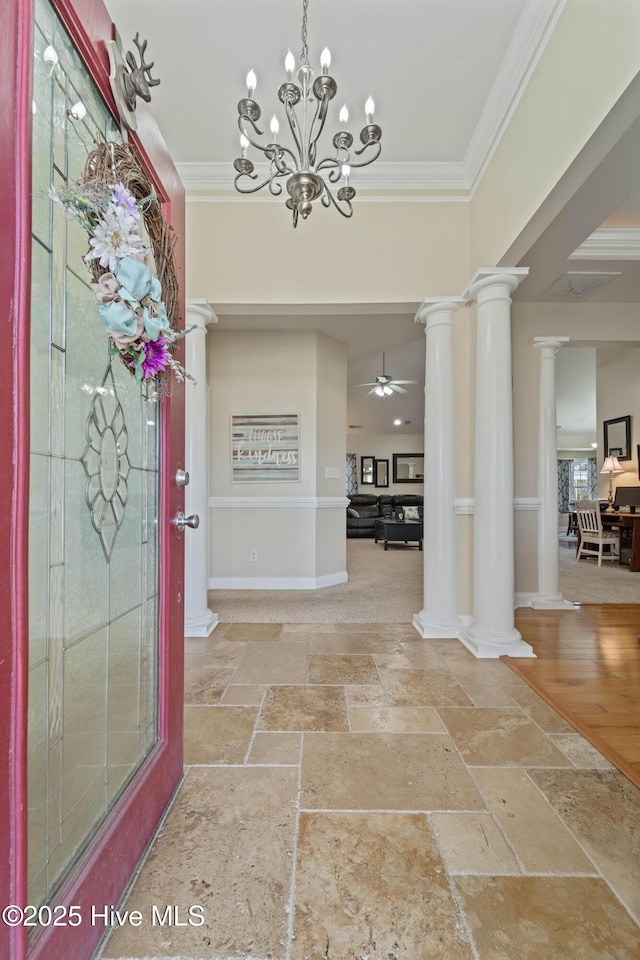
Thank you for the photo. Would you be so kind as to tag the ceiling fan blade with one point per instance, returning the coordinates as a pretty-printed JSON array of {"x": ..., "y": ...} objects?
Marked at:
[
  {"x": 375, "y": 384},
  {"x": 396, "y": 389},
  {"x": 405, "y": 381}
]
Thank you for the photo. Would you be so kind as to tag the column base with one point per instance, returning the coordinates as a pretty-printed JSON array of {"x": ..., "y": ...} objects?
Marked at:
[
  {"x": 552, "y": 603},
  {"x": 201, "y": 626},
  {"x": 436, "y": 628},
  {"x": 487, "y": 644}
]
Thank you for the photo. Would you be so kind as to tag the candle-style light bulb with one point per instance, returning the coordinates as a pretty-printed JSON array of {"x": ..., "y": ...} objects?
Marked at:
[
  {"x": 244, "y": 144},
  {"x": 50, "y": 56},
  {"x": 369, "y": 109},
  {"x": 252, "y": 83},
  {"x": 325, "y": 60},
  {"x": 343, "y": 117},
  {"x": 346, "y": 171},
  {"x": 275, "y": 126},
  {"x": 289, "y": 64},
  {"x": 78, "y": 111}
]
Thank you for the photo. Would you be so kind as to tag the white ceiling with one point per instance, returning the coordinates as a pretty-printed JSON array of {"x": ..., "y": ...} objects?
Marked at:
[{"x": 431, "y": 66}]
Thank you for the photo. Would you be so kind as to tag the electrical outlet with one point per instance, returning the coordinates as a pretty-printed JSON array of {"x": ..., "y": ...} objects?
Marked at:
[{"x": 253, "y": 555}]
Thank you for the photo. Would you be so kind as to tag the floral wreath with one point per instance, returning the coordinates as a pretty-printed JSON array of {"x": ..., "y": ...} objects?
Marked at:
[{"x": 141, "y": 321}]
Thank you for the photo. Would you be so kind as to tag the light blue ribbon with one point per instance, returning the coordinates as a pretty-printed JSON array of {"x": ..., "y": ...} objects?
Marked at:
[{"x": 136, "y": 283}]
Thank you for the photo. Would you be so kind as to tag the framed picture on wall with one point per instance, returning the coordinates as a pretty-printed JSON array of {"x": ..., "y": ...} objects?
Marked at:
[{"x": 265, "y": 448}]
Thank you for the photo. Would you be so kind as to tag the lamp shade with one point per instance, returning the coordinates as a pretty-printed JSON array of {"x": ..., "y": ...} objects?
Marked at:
[{"x": 611, "y": 465}]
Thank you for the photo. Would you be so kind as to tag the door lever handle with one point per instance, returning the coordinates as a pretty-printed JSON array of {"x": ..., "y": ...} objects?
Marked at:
[{"x": 181, "y": 521}]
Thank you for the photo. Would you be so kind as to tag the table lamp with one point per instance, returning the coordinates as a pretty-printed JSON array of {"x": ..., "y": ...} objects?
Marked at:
[{"x": 611, "y": 465}]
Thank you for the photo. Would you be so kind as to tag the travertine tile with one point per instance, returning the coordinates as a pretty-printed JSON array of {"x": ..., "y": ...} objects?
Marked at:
[
  {"x": 212, "y": 652},
  {"x": 247, "y": 695},
  {"x": 217, "y": 734},
  {"x": 281, "y": 661},
  {"x": 225, "y": 847},
  {"x": 580, "y": 752},
  {"x": 423, "y": 687},
  {"x": 304, "y": 708},
  {"x": 540, "y": 712},
  {"x": 353, "y": 643},
  {"x": 276, "y": 748},
  {"x": 205, "y": 684},
  {"x": 385, "y": 771},
  {"x": 373, "y": 885},
  {"x": 487, "y": 695},
  {"x": 422, "y": 653},
  {"x": 488, "y": 736},
  {"x": 253, "y": 631},
  {"x": 602, "y": 808},
  {"x": 373, "y": 695},
  {"x": 472, "y": 843},
  {"x": 395, "y": 720},
  {"x": 539, "y": 838},
  {"x": 392, "y": 661},
  {"x": 341, "y": 669},
  {"x": 307, "y": 628},
  {"x": 539, "y": 918}
]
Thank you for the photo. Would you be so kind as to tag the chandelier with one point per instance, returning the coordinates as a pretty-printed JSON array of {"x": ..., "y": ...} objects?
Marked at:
[{"x": 306, "y": 102}]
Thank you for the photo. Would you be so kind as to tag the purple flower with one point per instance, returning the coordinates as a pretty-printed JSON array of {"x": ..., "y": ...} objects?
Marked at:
[
  {"x": 156, "y": 357},
  {"x": 125, "y": 199}
]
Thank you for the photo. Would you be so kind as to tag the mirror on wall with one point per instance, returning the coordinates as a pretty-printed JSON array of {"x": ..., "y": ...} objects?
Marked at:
[
  {"x": 408, "y": 468},
  {"x": 382, "y": 473},
  {"x": 617, "y": 438},
  {"x": 367, "y": 471}
]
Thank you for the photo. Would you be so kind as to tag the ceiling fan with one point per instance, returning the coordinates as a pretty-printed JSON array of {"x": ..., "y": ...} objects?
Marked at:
[{"x": 384, "y": 384}]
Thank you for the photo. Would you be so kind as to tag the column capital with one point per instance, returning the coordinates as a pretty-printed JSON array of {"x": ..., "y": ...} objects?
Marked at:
[
  {"x": 495, "y": 276},
  {"x": 551, "y": 343},
  {"x": 434, "y": 305},
  {"x": 200, "y": 312}
]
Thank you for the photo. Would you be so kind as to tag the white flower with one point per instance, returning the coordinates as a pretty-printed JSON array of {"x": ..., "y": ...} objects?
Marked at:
[{"x": 115, "y": 237}]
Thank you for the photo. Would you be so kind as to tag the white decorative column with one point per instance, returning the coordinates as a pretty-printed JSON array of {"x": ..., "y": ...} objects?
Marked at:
[
  {"x": 549, "y": 596},
  {"x": 492, "y": 632},
  {"x": 439, "y": 615},
  {"x": 199, "y": 620}
]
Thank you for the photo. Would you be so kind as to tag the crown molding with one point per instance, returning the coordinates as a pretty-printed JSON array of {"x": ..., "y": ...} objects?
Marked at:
[
  {"x": 535, "y": 26},
  {"x": 530, "y": 37},
  {"x": 610, "y": 243},
  {"x": 384, "y": 176}
]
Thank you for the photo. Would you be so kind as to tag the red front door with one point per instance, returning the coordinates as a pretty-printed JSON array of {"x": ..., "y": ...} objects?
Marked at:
[{"x": 91, "y": 591}]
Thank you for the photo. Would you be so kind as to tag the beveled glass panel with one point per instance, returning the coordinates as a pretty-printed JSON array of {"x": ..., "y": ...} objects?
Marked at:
[
  {"x": 92, "y": 547},
  {"x": 40, "y": 352}
]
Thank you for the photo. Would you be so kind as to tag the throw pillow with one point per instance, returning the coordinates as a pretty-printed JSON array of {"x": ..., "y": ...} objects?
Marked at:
[
  {"x": 411, "y": 513},
  {"x": 352, "y": 513}
]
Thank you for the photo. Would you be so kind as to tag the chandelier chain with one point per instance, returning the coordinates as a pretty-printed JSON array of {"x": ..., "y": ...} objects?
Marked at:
[{"x": 304, "y": 56}]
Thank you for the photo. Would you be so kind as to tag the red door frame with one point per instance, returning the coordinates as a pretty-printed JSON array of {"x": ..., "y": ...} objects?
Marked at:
[{"x": 105, "y": 871}]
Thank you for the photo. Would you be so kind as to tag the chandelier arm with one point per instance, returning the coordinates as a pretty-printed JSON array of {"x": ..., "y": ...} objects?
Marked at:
[
  {"x": 295, "y": 132},
  {"x": 241, "y": 119},
  {"x": 336, "y": 168},
  {"x": 319, "y": 118},
  {"x": 363, "y": 163},
  {"x": 328, "y": 198},
  {"x": 254, "y": 176}
]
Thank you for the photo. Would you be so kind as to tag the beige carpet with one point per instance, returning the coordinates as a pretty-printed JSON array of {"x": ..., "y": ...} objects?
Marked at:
[
  {"x": 384, "y": 587},
  {"x": 584, "y": 582}
]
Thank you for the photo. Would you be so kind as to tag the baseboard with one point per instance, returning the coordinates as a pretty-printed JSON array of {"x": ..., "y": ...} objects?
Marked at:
[
  {"x": 278, "y": 583},
  {"x": 525, "y": 599}
]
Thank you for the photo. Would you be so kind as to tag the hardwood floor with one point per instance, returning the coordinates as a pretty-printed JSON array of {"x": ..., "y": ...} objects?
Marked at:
[{"x": 588, "y": 669}]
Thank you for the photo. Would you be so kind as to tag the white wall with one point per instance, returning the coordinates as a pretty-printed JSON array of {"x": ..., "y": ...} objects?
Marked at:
[
  {"x": 291, "y": 525},
  {"x": 382, "y": 447}
]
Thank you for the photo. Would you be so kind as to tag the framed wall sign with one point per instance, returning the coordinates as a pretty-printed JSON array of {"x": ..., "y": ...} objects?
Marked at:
[{"x": 265, "y": 448}]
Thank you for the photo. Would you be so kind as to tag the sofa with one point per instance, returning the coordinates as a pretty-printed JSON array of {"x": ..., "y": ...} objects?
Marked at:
[{"x": 365, "y": 508}]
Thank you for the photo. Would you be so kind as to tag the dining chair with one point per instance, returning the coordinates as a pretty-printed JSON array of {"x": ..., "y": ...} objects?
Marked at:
[{"x": 593, "y": 535}]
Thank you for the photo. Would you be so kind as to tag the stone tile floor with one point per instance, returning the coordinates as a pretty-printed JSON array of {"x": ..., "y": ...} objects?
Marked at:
[{"x": 356, "y": 793}]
